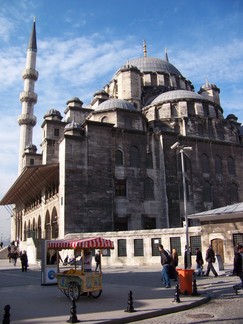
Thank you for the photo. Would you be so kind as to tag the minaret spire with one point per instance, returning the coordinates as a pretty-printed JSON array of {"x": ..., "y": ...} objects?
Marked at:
[
  {"x": 32, "y": 42},
  {"x": 28, "y": 98},
  {"x": 166, "y": 55}
]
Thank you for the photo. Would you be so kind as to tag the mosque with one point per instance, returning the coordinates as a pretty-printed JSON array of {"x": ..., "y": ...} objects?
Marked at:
[{"x": 128, "y": 166}]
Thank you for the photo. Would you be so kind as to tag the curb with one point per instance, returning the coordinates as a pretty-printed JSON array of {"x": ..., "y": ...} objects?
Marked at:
[{"x": 164, "y": 311}]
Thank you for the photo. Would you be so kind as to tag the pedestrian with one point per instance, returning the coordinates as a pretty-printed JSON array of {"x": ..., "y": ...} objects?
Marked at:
[
  {"x": 97, "y": 260},
  {"x": 174, "y": 264},
  {"x": 165, "y": 260},
  {"x": 199, "y": 261},
  {"x": 210, "y": 258},
  {"x": 238, "y": 266},
  {"x": 15, "y": 256},
  {"x": 87, "y": 263},
  {"x": 186, "y": 265},
  {"x": 9, "y": 253},
  {"x": 1, "y": 244},
  {"x": 24, "y": 261}
]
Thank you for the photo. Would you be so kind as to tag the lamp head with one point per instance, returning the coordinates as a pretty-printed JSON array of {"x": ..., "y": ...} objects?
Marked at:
[{"x": 175, "y": 145}]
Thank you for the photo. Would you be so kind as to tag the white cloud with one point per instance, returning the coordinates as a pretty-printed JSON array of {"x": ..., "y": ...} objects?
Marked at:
[
  {"x": 6, "y": 28},
  {"x": 220, "y": 63}
]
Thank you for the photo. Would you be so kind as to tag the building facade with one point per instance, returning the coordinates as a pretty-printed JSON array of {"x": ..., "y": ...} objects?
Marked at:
[{"x": 109, "y": 168}]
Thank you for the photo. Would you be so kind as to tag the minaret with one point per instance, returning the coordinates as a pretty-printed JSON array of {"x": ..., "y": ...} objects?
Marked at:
[{"x": 28, "y": 98}]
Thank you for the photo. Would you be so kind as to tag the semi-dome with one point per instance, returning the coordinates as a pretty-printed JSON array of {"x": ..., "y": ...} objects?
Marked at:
[
  {"x": 177, "y": 95},
  {"x": 115, "y": 103},
  {"x": 152, "y": 64}
]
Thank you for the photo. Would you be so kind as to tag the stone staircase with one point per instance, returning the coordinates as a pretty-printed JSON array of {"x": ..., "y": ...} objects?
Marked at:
[{"x": 4, "y": 253}]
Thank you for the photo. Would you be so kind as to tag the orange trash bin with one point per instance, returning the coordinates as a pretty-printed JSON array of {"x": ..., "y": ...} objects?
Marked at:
[{"x": 185, "y": 280}]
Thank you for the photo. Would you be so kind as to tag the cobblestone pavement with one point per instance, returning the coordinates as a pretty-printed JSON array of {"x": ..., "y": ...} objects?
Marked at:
[{"x": 225, "y": 307}]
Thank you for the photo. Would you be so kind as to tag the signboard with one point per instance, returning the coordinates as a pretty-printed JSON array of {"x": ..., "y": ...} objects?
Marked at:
[{"x": 48, "y": 270}]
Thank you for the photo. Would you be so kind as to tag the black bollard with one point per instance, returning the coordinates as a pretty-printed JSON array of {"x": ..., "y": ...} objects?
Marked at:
[
  {"x": 130, "y": 308},
  {"x": 6, "y": 316},
  {"x": 73, "y": 318},
  {"x": 194, "y": 288},
  {"x": 177, "y": 294}
]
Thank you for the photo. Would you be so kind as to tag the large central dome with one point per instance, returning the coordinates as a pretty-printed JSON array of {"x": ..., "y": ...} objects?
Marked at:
[{"x": 152, "y": 64}]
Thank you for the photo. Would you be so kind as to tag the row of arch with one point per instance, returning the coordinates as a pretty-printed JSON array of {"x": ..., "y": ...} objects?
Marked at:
[
  {"x": 33, "y": 228},
  {"x": 218, "y": 164}
]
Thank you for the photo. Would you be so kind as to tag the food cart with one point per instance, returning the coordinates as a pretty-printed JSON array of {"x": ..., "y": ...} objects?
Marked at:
[{"x": 75, "y": 282}]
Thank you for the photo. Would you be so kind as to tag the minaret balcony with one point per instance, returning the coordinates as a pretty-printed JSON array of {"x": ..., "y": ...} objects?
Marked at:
[
  {"x": 30, "y": 74},
  {"x": 26, "y": 119},
  {"x": 28, "y": 96}
]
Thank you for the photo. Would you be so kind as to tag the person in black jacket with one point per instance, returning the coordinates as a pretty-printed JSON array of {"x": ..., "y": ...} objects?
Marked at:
[
  {"x": 238, "y": 266},
  {"x": 165, "y": 260},
  {"x": 24, "y": 261},
  {"x": 199, "y": 261},
  {"x": 210, "y": 258}
]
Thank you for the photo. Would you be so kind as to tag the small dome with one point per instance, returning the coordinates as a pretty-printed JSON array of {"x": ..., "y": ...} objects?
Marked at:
[
  {"x": 74, "y": 99},
  {"x": 232, "y": 117},
  {"x": 101, "y": 92},
  {"x": 177, "y": 95},
  {"x": 52, "y": 113},
  {"x": 31, "y": 148},
  {"x": 115, "y": 103}
]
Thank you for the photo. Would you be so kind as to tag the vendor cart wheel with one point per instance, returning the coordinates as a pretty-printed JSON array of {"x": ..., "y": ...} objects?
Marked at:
[
  {"x": 96, "y": 294},
  {"x": 73, "y": 291},
  {"x": 63, "y": 291}
]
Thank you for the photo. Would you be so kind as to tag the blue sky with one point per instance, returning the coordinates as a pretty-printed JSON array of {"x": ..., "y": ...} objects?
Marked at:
[{"x": 81, "y": 44}]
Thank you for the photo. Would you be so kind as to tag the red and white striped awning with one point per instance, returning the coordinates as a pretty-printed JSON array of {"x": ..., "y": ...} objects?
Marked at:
[{"x": 85, "y": 243}]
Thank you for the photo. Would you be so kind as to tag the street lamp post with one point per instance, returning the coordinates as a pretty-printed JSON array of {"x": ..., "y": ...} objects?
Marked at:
[{"x": 182, "y": 149}]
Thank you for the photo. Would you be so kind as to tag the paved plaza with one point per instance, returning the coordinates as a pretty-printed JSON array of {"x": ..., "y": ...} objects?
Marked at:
[{"x": 32, "y": 302}]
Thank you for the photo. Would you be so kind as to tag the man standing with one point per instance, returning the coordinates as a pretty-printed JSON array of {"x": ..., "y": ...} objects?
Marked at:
[
  {"x": 97, "y": 260},
  {"x": 238, "y": 266},
  {"x": 210, "y": 258},
  {"x": 199, "y": 261},
  {"x": 187, "y": 251},
  {"x": 24, "y": 261},
  {"x": 165, "y": 262}
]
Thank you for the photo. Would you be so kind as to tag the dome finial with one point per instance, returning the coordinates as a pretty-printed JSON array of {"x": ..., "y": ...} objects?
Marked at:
[
  {"x": 166, "y": 55},
  {"x": 206, "y": 82},
  {"x": 144, "y": 49}
]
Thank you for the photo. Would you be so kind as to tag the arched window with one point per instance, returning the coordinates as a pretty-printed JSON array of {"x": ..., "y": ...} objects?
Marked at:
[
  {"x": 190, "y": 109},
  {"x": 29, "y": 230},
  {"x": 25, "y": 231},
  {"x": 148, "y": 189},
  {"x": 205, "y": 163},
  {"x": 233, "y": 193},
  {"x": 39, "y": 228},
  {"x": 149, "y": 161},
  {"x": 134, "y": 157},
  {"x": 218, "y": 165},
  {"x": 104, "y": 119},
  {"x": 200, "y": 130},
  {"x": 47, "y": 226},
  {"x": 54, "y": 224},
  {"x": 207, "y": 192},
  {"x": 231, "y": 165},
  {"x": 174, "y": 110},
  {"x": 220, "y": 133},
  {"x": 119, "y": 158},
  {"x": 33, "y": 229}
]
